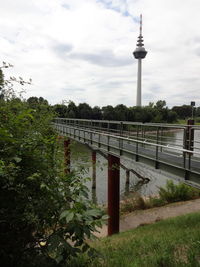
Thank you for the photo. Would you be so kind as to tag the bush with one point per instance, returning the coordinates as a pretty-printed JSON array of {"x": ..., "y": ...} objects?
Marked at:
[
  {"x": 133, "y": 202},
  {"x": 154, "y": 202},
  {"x": 168, "y": 194},
  {"x": 45, "y": 215},
  {"x": 180, "y": 192}
]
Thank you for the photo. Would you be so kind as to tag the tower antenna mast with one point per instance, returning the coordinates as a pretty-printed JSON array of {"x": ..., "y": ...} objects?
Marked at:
[{"x": 140, "y": 24}]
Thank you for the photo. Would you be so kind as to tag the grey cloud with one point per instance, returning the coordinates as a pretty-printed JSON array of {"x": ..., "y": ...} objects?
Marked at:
[
  {"x": 155, "y": 89},
  {"x": 62, "y": 49},
  {"x": 120, "y": 7},
  {"x": 148, "y": 96},
  {"x": 73, "y": 89},
  {"x": 193, "y": 40},
  {"x": 197, "y": 51},
  {"x": 66, "y": 6},
  {"x": 113, "y": 84},
  {"x": 103, "y": 58}
]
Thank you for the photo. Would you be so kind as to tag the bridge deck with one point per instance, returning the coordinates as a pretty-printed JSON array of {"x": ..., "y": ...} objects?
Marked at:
[{"x": 172, "y": 158}]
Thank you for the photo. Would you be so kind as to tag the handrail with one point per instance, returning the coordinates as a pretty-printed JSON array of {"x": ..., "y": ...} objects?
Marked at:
[
  {"x": 127, "y": 123},
  {"x": 165, "y": 125},
  {"x": 138, "y": 141}
]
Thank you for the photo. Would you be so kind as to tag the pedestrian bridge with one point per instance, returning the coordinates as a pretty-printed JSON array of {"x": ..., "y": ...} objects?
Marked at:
[{"x": 172, "y": 148}]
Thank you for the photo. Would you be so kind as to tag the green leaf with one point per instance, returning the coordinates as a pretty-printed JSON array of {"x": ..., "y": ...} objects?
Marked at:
[
  {"x": 17, "y": 159},
  {"x": 68, "y": 215},
  {"x": 93, "y": 212},
  {"x": 105, "y": 217}
]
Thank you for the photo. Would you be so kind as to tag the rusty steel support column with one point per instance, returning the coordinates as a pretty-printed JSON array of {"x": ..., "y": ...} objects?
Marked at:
[
  {"x": 67, "y": 156},
  {"x": 189, "y": 145},
  {"x": 113, "y": 194},
  {"x": 190, "y": 135},
  {"x": 93, "y": 169}
]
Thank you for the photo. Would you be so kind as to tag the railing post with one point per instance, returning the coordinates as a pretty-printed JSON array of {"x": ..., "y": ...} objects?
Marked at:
[
  {"x": 136, "y": 155},
  {"x": 93, "y": 169},
  {"x": 99, "y": 140},
  {"x": 91, "y": 138},
  {"x": 108, "y": 127},
  {"x": 108, "y": 143},
  {"x": 157, "y": 142},
  {"x": 121, "y": 128},
  {"x": 67, "y": 156},
  {"x": 161, "y": 137},
  {"x": 113, "y": 194}
]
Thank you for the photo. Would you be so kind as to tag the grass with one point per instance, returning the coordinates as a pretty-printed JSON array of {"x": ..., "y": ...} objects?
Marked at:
[
  {"x": 169, "y": 243},
  {"x": 181, "y": 121}
]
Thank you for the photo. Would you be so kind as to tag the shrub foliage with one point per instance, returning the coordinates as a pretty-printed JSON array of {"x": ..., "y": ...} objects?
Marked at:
[{"x": 45, "y": 215}]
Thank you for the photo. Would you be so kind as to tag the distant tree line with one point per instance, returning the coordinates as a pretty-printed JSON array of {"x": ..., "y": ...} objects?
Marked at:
[
  {"x": 185, "y": 111},
  {"x": 154, "y": 112},
  {"x": 158, "y": 112}
]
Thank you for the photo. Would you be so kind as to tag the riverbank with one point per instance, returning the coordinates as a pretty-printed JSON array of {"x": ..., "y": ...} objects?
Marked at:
[{"x": 144, "y": 217}]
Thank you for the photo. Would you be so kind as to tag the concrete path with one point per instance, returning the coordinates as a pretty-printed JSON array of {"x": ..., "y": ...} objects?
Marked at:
[{"x": 142, "y": 217}]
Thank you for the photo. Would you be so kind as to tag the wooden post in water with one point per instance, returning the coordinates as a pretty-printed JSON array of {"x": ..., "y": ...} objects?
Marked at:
[
  {"x": 67, "y": 156},
  {"x": 93, "y": 169},
  {"x": 127, "y": 177},
  {"x": 113, "y": 194}
]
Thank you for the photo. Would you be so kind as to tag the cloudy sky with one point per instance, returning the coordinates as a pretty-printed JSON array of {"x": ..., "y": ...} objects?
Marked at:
[{"x": 81, "y": 50}]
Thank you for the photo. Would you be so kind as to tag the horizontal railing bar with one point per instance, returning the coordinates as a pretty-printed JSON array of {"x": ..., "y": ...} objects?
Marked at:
[
  {"x": 163, "y": 125},
  {"x": 137, "y": 141},
  {"x": 139, "y": 154}
]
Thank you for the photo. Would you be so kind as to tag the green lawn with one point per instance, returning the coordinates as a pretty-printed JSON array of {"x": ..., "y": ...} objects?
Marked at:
[
  {"x": 184, "y": 122},
  {"x": 173, "y": 242}
]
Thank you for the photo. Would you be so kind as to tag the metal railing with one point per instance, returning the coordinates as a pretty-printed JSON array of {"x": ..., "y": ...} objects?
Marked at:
[{"x": 165, "y": 144}]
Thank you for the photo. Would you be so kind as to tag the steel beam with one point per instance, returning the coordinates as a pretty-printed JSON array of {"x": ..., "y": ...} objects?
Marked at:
[{"x": 113, "y": 194}]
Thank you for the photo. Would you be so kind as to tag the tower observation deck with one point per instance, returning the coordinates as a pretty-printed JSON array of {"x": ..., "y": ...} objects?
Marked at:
[{"x": 139, "y": 54}]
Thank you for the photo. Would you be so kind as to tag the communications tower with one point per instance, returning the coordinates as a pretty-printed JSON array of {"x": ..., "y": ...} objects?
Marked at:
[{"x": 139, "y": 54}]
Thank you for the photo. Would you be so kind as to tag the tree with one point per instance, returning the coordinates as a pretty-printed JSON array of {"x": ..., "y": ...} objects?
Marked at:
[
  {"x": 121, "y": 112},
  {"x": 96, "y": 113},
  {"x": 43, "y": 211},
  {"x": 108, "y": 113},
  {"x": 183, "y": 112},
  {"x": 72, "y": 110},
  {"x": 1, "y": 83},
  {"x": 60, "y": 110},
  {"x": 84, "y": 111},
  {"x": 160, "y": 104},
  {"x": 172, "y": 116},
  {"x": 34, "y": 101}
]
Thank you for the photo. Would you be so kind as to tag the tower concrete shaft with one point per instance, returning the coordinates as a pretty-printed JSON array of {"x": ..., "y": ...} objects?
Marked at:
[
  {"x": 139, "y": 54},
  {"x": 139, "y": 84}
]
